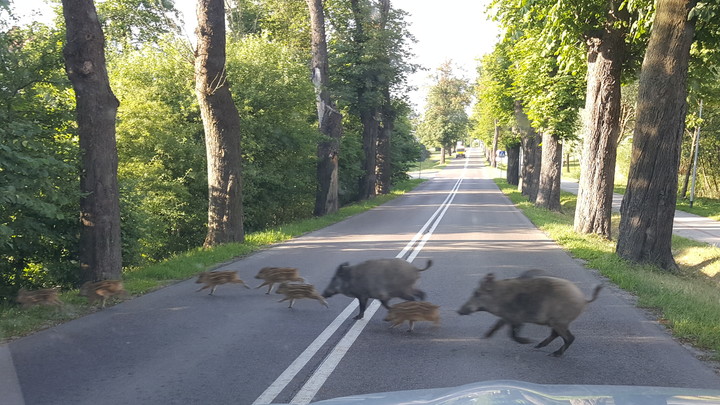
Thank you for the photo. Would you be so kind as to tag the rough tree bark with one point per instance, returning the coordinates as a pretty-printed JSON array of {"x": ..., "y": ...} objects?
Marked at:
[
  {"x": 493, "y": 154},
  {"x": 222, "y": 127},
  {"x": 383, "y": 168},
  {"x": 384, "y": 161},
  {"x": 371, "y": 129},
  {"x": 648, "y": 208},
  {"x": 96, "y": 109},
  {"x": 329, "y": 118},
  {"x": 369, "y": 109},
  {"x": 513, "y": 164},
  {"x": 605, "y": 57},
  {"x": 548, "y": 195},
  {"x": 532, "y": 154}
]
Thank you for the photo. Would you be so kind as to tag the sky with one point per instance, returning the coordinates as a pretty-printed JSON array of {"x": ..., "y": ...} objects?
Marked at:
[{"x": 456, "y": 30}]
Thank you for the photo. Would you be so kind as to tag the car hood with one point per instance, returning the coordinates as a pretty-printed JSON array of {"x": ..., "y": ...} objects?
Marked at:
[{"x": 518, "y": 392}]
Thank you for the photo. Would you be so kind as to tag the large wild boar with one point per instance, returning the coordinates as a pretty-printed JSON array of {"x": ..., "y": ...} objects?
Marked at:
[
  {"x": 382, "y": 279},
  {"x": 542, "y": 300}
]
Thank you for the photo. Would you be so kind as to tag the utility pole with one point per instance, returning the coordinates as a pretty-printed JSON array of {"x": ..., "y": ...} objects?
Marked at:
[{"x": 695, "y": 158}]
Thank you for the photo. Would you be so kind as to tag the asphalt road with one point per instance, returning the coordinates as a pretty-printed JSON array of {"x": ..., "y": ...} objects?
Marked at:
[{"x": 243, "y": 347}]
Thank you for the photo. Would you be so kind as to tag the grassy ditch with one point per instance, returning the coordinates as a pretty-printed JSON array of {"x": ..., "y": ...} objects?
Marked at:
[
  {"x": 17, "y": 322},
  {"x": 687, "y": 302}
]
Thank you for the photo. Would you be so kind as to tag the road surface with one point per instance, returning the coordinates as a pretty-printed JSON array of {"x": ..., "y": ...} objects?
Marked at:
[{"x": 176, "y": 346}]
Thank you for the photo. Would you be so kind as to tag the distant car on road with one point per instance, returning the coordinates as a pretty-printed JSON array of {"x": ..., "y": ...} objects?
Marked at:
[{"x": 460, "y": 152}]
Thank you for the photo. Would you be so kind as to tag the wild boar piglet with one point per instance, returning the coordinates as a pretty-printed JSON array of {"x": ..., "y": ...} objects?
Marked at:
[
  {"x": 413, "y": 311},
  {"x": 102, "y": 290},
  {"x": 272, "y": 275},
  {"x": 382, "y": 279},
  {"x": 45, "y": 296},
  {"x": 542, "y": 300},
  {"x": 297, "y": 291},
  {"x": 212, "y": 279}
]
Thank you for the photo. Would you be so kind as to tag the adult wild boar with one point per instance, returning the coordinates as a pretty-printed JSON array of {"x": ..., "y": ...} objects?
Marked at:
[
  {"x": 382, "y": 279},
  {"x": 543, "y": 300}
]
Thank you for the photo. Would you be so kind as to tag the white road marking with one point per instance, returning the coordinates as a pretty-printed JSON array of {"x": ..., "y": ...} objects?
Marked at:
[
  {"x": 320, "y": 376},
  {"x": 284, "y": 379}
]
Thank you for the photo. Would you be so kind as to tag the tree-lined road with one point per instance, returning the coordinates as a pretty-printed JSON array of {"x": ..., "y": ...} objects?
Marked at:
[{"x": 242, "y": 346}]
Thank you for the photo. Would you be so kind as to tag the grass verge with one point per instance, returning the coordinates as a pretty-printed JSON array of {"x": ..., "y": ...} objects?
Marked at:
[
  {"x": 17, "y": 322},
  {"x": 688, "y": 303}
]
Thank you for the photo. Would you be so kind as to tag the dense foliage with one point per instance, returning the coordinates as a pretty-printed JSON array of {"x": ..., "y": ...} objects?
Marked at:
[
  {"x": 162, "y": 161},
  {"x": 445, "y": 120},
  {"x": 39, "y": 181}
]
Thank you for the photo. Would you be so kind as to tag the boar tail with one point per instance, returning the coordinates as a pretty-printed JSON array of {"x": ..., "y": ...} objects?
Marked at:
[
  {"x": 429, "y": 263},
  {"x": 595, "y": 294}
]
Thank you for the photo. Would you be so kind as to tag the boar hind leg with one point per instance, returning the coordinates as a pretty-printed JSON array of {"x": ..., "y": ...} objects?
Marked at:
[
  {"x": 547, "y": 340},
  {"x": 566, "y": 336},
  {"x": 412, "y": 325},
  {"x": 499, "y": 324},
  {"x": 514, "y": 335},
  {"x": 363, "y": 304}
]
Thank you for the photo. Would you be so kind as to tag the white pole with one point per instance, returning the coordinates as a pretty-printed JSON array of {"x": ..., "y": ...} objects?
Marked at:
[{"x": 695, "y": 158}]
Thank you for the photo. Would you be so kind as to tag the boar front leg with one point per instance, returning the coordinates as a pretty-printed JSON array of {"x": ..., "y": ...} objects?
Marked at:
[
  {"x": 514, "y": 335},
  {"x": 363, "y": 304},
  {"x": 499, "y": 324}
]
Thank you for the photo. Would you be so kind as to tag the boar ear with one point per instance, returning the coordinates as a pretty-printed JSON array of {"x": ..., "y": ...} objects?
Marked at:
[
  {"x": 343, "y": 266},
  {"x": 488, "y": 281}
]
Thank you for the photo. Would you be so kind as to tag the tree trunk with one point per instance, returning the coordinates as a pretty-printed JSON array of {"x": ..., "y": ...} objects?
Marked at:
[
  {"x": 606, "y": 56},
  {"x": 222, "y": 127},
  {"x": 384, "y": 161},
  {"x": 384, "y": 157},
  {"x": 493, "y": 155},
  {"x": 96, "y": 109},
  {"x": 648, "y": 208},
  {"x": 370, "y": 131},
  {"x": 686, "y": 180},
  {"x": 548, "y": 196},
  {"x": 513, "y": 164},
  {"x": 532, "y": 154},
  {"x": 329, "y": 118}
]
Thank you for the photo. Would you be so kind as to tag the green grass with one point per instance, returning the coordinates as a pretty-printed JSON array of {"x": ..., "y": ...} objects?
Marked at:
[
  {"x": 688, "y": 303},
  {"x": 431, "y": 163},
  {"x": 16, "y": 322}
]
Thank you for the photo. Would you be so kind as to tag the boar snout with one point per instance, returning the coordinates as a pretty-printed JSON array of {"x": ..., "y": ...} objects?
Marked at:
[{"x": 464, "y": 310}]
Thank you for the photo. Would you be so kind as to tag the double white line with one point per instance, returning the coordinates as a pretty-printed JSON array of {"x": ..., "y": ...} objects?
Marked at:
[{"x": 318, "y": 378}]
